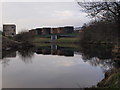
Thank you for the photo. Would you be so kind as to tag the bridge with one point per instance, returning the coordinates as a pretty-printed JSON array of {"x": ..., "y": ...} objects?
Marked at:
[{"x": 56, "y": 36}]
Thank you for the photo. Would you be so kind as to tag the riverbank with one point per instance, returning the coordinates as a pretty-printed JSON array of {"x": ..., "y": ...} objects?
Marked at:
[
  {"x": 59, "y": 40},
  {"x": 8, "y": 44},
  {"x": 58, "y": 44},
  {"x": 112, "y": 79}
]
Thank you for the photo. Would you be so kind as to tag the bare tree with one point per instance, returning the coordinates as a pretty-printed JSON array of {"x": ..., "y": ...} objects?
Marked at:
[{"x": 104, "y": 10}]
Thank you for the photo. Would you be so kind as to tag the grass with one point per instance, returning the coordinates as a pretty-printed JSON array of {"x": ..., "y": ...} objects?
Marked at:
[
  {"x": 39, "y": 39},
  {"x": 68, "y": 39},
  {"x": 68, "y": 45},
  {"x": 113, "y": 81},
  {"x": 59, "y": 44},
  {"x": 60, "y": 40}
]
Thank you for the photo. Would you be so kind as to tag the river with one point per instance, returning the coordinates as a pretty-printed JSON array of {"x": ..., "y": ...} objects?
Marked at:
[{"x": 55, "y": 66}]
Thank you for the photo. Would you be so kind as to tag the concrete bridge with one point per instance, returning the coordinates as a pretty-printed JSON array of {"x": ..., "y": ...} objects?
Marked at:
[{"x": 55, "y": 36}]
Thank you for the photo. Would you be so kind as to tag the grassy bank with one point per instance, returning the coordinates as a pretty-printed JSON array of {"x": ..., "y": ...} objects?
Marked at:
[
  {"x": 8, "y": 43},
  {"x": 68, "y": 40},
  {"x": 60, "y": 40},
  {"x": 59, "y": 44},
  {"x": 40, "y": 40},
  {"x": 112, "y": 80}
]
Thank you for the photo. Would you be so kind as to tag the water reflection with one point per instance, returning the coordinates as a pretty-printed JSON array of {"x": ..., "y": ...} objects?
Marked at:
[
  {"x": 96, "y": 55},
  {"x": 55, "y": 50},
  {"x": 6, "y": 55},
  {"x": 101, "y": 51},
  {"x": 26, "y": 55},
  {"x": 57, "y": 66}
]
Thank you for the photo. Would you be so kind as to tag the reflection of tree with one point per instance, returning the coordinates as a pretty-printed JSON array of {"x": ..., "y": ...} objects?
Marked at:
[
  {"x": 101, "y": 55},
  {"x": 7, "y": 54},
  {"x": 5, "y": 62},
  {"x": 96, "y": 50},
  {"x": 106, "y": 64},
  {"x": 26, "y": 54},
  {"x": 98, "y": 55}
]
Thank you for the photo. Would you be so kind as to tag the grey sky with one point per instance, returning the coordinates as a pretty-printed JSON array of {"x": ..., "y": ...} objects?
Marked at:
[{"x": 28, "y": 15}]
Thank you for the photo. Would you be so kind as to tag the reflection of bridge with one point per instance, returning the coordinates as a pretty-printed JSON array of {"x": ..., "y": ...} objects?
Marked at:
[
  {"x": 55, "y": 50},
  {"x": 45, "y": 50},
  {"x": 56, "y": 36}
]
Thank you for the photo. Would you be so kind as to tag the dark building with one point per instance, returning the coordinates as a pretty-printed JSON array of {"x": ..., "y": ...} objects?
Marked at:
[
  {"x": 46, "y": 31},
  {"x": 54, "y": 30},
  {"x": 46, "y": 51},
  {"x": 61, "y": 30},
  {"x": 9, "y": 30},
  {"x": 53, "y": 52},
  {"x": 69, "y": 53},
  {"x": 60, "y": 52},
  {"x": 32, "y": 32},
  {"x": 38, "y": 31},
  {"x": 69, "y": 29}
]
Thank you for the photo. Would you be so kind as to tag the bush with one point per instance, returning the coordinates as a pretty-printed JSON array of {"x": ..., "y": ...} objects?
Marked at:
[
  {"x": 24, "y": 37},
  {"x": 100, "y": 32}
]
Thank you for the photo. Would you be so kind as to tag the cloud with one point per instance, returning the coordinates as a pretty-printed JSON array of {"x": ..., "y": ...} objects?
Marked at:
[
  {"x": 37, "y": 0},
  {"x": 65, "y": 13},
  {"x": 31, "y": 15}
]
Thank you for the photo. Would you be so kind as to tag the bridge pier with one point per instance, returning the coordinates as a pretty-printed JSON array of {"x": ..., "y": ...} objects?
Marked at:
[
  {"x": 54, "y": 47},
  {"x": 54, "y": 37}
]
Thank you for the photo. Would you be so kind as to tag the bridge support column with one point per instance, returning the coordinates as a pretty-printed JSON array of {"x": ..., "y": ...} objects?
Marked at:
[{"x": 54, "y": 37}]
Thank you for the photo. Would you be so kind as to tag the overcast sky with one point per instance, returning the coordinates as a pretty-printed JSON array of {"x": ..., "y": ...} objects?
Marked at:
[{"x": 28, "y": 15}]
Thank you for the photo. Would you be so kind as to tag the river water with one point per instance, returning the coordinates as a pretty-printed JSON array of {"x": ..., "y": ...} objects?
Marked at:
[{"x": 53, "y": 66}]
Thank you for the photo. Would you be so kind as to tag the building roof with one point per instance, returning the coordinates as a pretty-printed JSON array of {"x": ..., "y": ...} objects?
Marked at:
[
  {"x": 8, "y": 24},
  {"x": 68, "y": 26}
]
